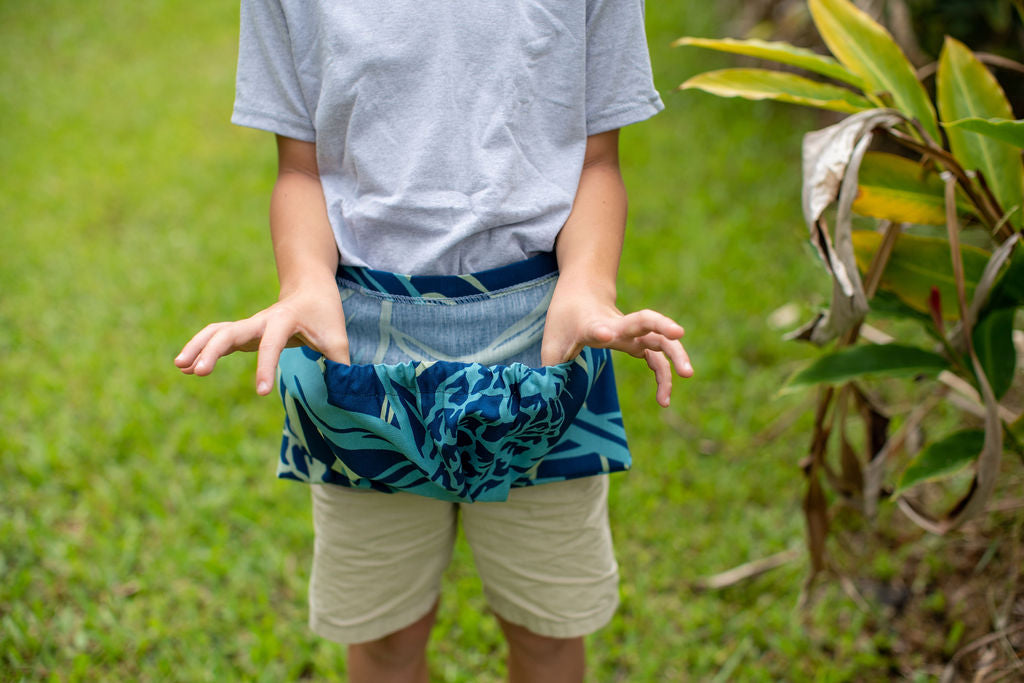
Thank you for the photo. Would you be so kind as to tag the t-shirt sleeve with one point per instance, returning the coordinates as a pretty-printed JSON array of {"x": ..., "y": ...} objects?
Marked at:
[
  {"x": 268, "y": 94},
  {"x": 620, "y": 87}
]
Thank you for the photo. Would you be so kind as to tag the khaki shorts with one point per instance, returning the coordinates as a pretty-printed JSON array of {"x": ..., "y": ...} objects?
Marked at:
[{"x": 544, "y": 556}]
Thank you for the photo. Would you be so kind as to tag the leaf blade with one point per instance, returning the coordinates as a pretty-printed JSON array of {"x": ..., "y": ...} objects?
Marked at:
[
  {"x": 765, "y": 84},
  {"x": 965, "y": 88},
  {"x": 1008, "y": 291},
  {"x": 778, "y": 52},
  {"x": 881, "y": 360},
  {"x": 917, "y": 264},
  {"x": 993, "y": 342},
  {"x": 869, "y": 51},
  {"x": 1006, "y": 130},
  {"x": 942, "y": 458},
  {"x": 895, "y": 188}
]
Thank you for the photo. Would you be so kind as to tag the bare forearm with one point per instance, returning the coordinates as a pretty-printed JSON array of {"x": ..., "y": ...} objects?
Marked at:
[
  {"x": 589, "y": 245},
  {"x": 582, "y": 310},
  {"x": 308, "y": 310},
  {"x": 304, "y": 246}
]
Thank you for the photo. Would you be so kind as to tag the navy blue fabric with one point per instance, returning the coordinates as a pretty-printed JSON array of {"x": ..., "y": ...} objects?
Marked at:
[
  {"x": 453, "y": 429},
  {"x": 451, "y": 286}
]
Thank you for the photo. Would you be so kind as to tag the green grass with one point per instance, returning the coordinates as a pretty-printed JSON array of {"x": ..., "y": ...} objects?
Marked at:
[{"x": 143, "y": 535}]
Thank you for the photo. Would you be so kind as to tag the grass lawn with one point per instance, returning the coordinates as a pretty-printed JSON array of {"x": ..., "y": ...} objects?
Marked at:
[{"x": 143, "y": 535}]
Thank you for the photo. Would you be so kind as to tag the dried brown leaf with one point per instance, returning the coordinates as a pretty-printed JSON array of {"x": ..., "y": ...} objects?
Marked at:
[
  {"x": 831, "y": 161},
  {"x": 816, "y": 516}
]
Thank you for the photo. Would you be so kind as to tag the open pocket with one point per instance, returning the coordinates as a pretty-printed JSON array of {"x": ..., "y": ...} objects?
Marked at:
[{"x": 455, "y": 431}]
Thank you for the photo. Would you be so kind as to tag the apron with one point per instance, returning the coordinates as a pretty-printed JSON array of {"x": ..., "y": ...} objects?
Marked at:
[{"x": 445, "y": 396}]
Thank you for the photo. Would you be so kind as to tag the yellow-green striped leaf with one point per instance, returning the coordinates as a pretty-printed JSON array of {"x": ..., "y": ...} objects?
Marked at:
[
  {"x": 864, "y": 47},
  {"x": 895, "y": 188},
  {"x": 1006, "y": 130},
  {"x": 919, "y": 263},
  {"x": 778, "y": 52},
  {"x": 764, "y": 84},
  {"x": 965, "y": 88}
]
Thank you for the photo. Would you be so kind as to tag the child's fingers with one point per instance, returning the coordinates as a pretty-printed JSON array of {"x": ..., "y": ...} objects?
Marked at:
[
  {"x": 639, "y": 323},
  {"x": 657, "y": 362},
  {"x": 186, "y": 360},
  {"x": 229, "y": 338},
  {"x": 672, "y": 348},
  {"x": 631, "y": 345},
  {"x": 275, "y": 338}
]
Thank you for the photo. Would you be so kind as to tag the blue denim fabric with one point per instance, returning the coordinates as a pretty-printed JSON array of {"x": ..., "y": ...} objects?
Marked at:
[{"x": 445, "y": 396}]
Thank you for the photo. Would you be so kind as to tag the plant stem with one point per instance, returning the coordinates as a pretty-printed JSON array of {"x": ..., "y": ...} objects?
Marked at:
[{"x": 989, "y": 213}]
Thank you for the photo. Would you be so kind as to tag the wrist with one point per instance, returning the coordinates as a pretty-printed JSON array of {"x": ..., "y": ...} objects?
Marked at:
[
  {"x": 314, "y": 278},
  {"x": 587, "y": 271},
  {"x": 585, "y": 286}
]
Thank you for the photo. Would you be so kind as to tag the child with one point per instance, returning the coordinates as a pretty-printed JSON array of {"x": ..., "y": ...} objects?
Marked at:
[{"x": 447, "y": 223}]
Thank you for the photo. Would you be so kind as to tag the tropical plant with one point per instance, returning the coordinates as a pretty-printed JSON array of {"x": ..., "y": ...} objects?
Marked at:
[
  {"x": 936, "y": 244},
  {"x": 918, "y": 26}
]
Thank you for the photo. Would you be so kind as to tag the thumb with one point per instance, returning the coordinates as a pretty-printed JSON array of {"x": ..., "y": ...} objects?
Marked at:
[
  {"x": 554, "y": 352},
  {"x": 337, "y": 351},
  {"x": 548, "y": 355},
  {"x": 334, "y": 344},
  {"x": 600, "y": 334}
]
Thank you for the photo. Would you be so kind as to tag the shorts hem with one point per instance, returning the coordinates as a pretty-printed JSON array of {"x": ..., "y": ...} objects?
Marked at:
[
  {"x": 553, "y": 629},
  {"x": 371, "y": 630}
]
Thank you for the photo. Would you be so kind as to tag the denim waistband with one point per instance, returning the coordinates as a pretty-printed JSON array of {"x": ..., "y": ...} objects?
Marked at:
[{"x": 471, "y": 284}]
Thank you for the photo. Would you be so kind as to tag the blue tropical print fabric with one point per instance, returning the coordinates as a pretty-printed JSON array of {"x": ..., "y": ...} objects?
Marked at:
[{"x": 454, "y": 430}]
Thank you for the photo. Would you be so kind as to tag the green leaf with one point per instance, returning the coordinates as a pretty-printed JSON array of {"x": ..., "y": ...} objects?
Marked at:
[
  {"x": 888, "y": 305},
  {"x": 869, "y": 51},
  {"x": 919, "y": 263},
  {"x": 895, "y": 188},
  {"x": 779, "y": 52},
  {"x": 942, "y": 458},
  {"x": 1006, "y": 130},
  {"x": 764, "y": 84},
  {"x": 993, "y": 342},
  {"x": 966, "y": 89},
  {"x": 882, "y": 360},
  {"x": 1008, "y": 291},
  {"x": 1018, "y": 427}
]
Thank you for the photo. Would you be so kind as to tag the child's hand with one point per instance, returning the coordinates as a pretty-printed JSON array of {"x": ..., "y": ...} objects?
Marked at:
[
  {"x": 311, "y": 316},
  {"x": 576, "y": 318}
]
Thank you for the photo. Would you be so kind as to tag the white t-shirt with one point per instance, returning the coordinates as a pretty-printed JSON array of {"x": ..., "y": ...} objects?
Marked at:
[{"x": 450, "y": 133}]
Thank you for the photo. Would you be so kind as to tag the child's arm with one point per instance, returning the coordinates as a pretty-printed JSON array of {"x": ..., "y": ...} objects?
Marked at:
[
  {"x": 582, "y": 311},
  {"x": 308, "y": 310}
]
